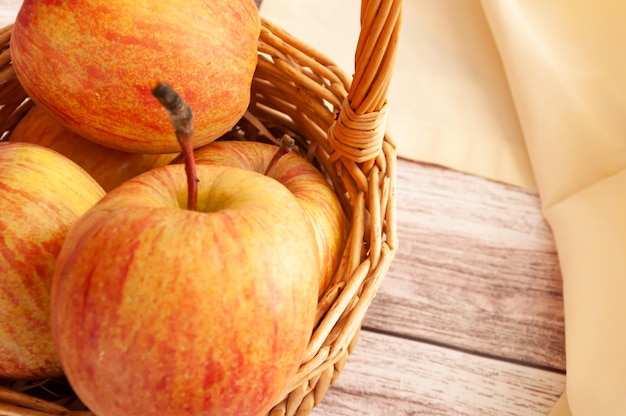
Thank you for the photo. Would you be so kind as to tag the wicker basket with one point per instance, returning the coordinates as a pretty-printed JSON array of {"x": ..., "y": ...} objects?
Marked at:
[{"x": 340, "y": 123}]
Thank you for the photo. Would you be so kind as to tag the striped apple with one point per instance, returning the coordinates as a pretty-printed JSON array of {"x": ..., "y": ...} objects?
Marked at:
[
  {"x": 319, "y": 202},
  {"x": 43, "y": 195},
  {"x": 162, "y": 310},
  {"x": 109, "y": 167},
  {"x": 90, "y": 63}
]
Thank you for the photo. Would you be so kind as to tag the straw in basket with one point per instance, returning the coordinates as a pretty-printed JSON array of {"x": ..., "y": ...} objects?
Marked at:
[{"x": 340, "y": 124}]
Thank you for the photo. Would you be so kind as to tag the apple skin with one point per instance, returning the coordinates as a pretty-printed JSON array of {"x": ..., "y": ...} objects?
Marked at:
[
  {"x": 43, "y": 194},
  {"x": 108, "y": 166},
  {"x": 159, "y": 310},
  {"x": 318, "y": 200},
  {"x": 92, "y": 65}
]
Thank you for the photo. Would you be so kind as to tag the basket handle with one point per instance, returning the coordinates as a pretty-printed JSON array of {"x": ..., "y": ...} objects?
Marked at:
[{"x": 361, "y": 124}]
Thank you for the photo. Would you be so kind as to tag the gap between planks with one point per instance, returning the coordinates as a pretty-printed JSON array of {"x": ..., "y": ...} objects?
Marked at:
[{"x": 393, "y": 376}]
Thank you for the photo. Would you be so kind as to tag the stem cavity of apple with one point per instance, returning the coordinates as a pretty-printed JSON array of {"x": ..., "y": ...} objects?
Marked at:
[
  {"x": 287, "y": 144},
  {"x": 181, "y": 119}
]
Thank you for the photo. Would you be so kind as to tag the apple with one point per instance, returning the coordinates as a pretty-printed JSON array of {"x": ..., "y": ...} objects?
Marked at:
[
  {"x": 43, "y": 194},
  {"x": 90, "y": 63},
  {"x": 318, "y": 200},
  {"x": 108, "y": 166},
  {"x": 162, "y": 310}
]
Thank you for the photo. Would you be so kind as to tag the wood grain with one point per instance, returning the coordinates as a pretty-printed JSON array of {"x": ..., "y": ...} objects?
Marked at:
[
  {"x": 476, "y": 269},
  {"x": 394, "y": 376},
  {"x": 469, "y": 320}
]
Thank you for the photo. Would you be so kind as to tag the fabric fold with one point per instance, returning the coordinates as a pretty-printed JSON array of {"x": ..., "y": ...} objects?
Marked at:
[{"x": 567, "y": 74}]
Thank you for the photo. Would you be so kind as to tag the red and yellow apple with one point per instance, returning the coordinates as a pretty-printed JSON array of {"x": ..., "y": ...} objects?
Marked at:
[
  {"x": 108, "y": 166},
  {"x": 43, "y": 194},
  {"x": 319, "y": 202},
  {"x": 91, "y": 64},
  {"x": 161, "y": 310}
]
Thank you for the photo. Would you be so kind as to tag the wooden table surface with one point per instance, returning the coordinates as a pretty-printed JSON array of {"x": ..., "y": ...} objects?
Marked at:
[{"x": 469, "y": 319}]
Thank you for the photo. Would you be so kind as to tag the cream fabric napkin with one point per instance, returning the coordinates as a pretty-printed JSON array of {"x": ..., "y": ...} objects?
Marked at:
[
  {"x": 566, "y": 65},
  {"x": 530, "y": 93}
]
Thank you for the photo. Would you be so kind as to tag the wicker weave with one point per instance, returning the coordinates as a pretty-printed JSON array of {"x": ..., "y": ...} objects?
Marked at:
[{"x": 340, "y": 123}]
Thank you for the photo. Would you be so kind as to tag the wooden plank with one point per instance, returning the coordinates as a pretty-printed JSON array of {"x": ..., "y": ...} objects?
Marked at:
[
  {"x": 392, "y": 376},
  {"x": 476, "y": 269}
]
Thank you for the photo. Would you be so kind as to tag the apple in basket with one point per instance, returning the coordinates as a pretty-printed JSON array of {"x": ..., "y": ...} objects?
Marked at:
[
  {"x": 43, "y": 194},
  {"x": 308, "y": 185},
  {"x": 158, "y": 309},
  {"x": 108, "y": 166},
  {"x": 88, "y": 63}
]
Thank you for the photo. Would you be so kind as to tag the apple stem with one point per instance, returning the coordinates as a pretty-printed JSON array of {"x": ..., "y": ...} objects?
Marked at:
[
  {"x": 287, "y": 144},
  {"x": 181, "y": 118}
]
